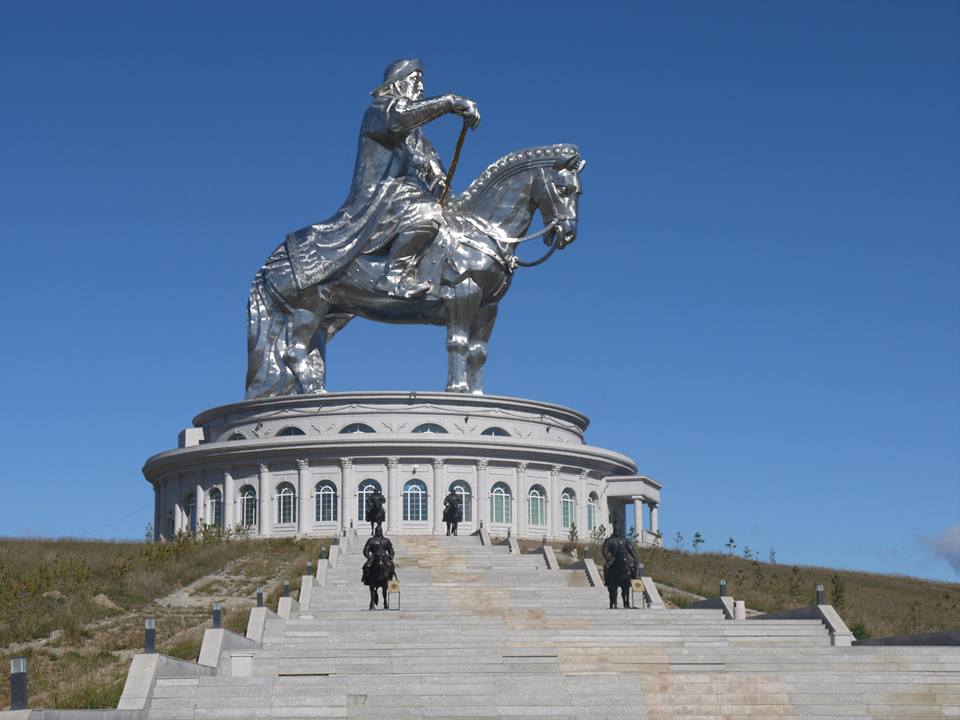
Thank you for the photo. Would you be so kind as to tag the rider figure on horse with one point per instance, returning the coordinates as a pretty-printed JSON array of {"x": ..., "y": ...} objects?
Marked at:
[
  {"x": 379, "y": 567},
  {"x": 374, "y": 512},
  {"x": 620, "y": 563},
  {"x": 452, "y": 512},
  {"x": 394, "y": 197}
]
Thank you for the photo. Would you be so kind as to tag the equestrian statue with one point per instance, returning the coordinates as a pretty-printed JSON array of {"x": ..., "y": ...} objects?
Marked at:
[
  {"x": 452, "y": 512},
  {"x": 373, "y": 510},
  {"x": 379, "y": 569},
  {"x": 400, "y": 251},
  {"x": 620, "y": 565}
]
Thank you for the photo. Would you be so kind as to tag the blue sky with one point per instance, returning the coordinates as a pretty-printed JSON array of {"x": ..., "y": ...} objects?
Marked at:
[{"x": 761, "y": 307}]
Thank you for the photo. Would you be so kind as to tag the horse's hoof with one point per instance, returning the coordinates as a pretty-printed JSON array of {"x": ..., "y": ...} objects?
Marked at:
[{"x": 458, "y": 388}]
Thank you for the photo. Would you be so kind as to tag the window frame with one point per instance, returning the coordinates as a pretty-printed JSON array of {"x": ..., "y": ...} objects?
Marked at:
[{"x": 416, "y": 497}]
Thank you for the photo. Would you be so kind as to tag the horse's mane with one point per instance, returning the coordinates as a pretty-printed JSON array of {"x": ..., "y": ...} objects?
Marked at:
[{"x": 511, "y": 164}]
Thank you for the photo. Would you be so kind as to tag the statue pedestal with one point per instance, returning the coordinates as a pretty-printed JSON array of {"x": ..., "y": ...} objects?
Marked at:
[{"x": 300, "y": 465}]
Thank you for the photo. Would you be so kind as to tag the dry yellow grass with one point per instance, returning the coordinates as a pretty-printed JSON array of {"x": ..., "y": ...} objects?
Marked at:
[{"x": 78, "y": 650}]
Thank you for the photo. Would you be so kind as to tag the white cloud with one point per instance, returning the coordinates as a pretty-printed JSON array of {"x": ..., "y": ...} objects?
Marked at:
[{"x": 947, "y": 546}]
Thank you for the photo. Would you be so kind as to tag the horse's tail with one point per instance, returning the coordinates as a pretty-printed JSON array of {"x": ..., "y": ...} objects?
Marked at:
[{"x": 267, "y": 373}]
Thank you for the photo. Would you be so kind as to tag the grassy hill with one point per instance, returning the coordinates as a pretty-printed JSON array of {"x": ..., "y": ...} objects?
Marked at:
[{"x": 76, "y": 608}]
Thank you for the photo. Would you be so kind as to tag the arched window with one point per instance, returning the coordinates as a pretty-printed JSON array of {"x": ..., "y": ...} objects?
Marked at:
[
  {"x": 356, "y": 428},
  {"x": 325, "y": 500},
  {"x": 461, "y": 488},
  {"x": 286, "y": 504},
  {"x": 248, "y": 506},
  {"x": 290, "y": 431},
  {"x": 236, "y": 436},
  {"x": 496, "y": 432},
  {"x": 366, "y": 489},
  {"x": 429, "y": 428},
  {"x": 568, "y": 509},
  {"x": 415, "y": 501},
  {"x": 537, "y": 505},
  {"x": 501, "y": 504},
  {"x": 593, "y": 503},
  {"x": 216, "y": 508},
  {"x": 190, "y": 508}
]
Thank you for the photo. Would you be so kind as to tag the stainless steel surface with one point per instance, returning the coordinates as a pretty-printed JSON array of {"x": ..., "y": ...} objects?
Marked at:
[{"x": 393, "y": 254}]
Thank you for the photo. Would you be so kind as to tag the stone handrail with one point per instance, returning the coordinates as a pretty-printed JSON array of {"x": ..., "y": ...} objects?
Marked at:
[
  {"x": 590, "y": 568},
  {"x": 721, "y": 602},
  {"x": 321, "y": 576},
  {"x": 334, "y": 555},
  {"x": 840, "y": 635},
  {"x": 514, "y": 545},
  {"x": 256, "y": 623},
  {"x": 484, "y": 537},
  {"x": 287, "y": 607},
  {"x": 306, "y": 591},
  {"x": 650, "y": 594},
  {"x": 550, "y": 558},
  {"x": 931, "y": 639},
  {"x": 216, "y": 640}
]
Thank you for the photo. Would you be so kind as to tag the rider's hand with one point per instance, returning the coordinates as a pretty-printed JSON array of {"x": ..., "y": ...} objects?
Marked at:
[{"x": 468, "y": 110}]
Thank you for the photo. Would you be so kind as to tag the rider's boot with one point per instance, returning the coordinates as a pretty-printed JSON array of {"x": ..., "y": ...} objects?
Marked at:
[{"x": 400, "y": 275}]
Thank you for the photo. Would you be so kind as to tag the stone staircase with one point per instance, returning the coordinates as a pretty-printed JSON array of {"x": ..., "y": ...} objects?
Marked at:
[{"x": 482, "y": 633}]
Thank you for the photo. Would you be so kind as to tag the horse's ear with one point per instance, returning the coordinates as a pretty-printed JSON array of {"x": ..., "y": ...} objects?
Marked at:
[
  {"x": 569, "y": 163},
  {"x": 581, "y": 166}
]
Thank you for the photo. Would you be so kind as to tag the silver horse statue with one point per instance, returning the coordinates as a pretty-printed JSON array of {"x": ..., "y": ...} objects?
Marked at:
[{"x": 394, "y": 253}]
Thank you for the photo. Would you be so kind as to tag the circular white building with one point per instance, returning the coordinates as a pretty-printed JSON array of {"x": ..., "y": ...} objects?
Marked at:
[{"x": 303, "y": 465}]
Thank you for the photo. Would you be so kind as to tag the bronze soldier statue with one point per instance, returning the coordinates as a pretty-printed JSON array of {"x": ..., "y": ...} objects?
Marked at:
[
  {"x": 620, "y": 564},
  {"x": 452, "y": 512},
  {"x": 379, "y": 567},
  {"x": 375, "y": 514}
]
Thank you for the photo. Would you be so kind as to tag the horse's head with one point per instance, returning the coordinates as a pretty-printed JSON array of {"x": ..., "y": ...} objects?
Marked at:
[{"x": 560, "y": 197}]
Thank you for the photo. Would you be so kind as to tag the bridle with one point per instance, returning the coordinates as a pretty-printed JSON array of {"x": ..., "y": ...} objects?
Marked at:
[{"x": 550, "y": 226}]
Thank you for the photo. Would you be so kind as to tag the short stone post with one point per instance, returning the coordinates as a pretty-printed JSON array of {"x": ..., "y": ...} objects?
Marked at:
[
  {"x": 259, "y": 597},
  {"x": 217, "y": 624},
  {"x": 150, "y": 636},
  {"x": 310, "y": 567},
  {"x": 286, "y": 588},
  {"x": 723, "y": 588},
  {"x": 18, "y": 683},
  {"x": 820, "y": 595}
]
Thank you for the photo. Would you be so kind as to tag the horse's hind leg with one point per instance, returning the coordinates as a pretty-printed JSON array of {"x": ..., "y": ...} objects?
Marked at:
[
  {"x": 305, "y": 349},
  {"x": 625, "y": 592},
  {"x": 386, "y": 597},
  {"x": 612, "y": 591},
  {"x": 461, "y": 303},
  {"x": 477, "y": 352}
]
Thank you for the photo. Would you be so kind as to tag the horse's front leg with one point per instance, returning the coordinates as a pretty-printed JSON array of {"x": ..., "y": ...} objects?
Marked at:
[
  {"x": 477, "y": 352},
  {"x": 461, "y": 303},
  {"x": 386, "y": 597},
  {"x": 612, "y": 591},
  {"x": 373, "y": 596},
  {"x": 625, "y": 592}
]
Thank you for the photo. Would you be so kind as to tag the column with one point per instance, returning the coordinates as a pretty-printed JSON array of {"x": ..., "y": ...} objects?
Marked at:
[
  {"x": 582, "y": 505},
  {"x": 199, "y": 503},
  {"x": 438, "y": 495},
  {"x": 394, "y": 507},
  {"x": 178, "y": 507},
  {"x": 654, "y": 517},
  {"x": 347, "y": 494},
  {"x": 304, "y": 516},
  {"x": 157, "y": 512},
  {"x": 482, "y": 493},
  {"x": 638, "y": 517},
  {"x": 265, "y": 491},
  {"x": 554, "y": 528},
  {"x": 229, "y": 500},
  {"x": 521, "y": 511}
]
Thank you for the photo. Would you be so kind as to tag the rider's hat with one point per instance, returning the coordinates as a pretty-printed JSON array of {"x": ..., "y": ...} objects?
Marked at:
[{"x": 397, "y": 70}]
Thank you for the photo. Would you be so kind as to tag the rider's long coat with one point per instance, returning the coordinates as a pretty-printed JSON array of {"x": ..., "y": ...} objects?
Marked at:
[{"x": 389, "y": 193}]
